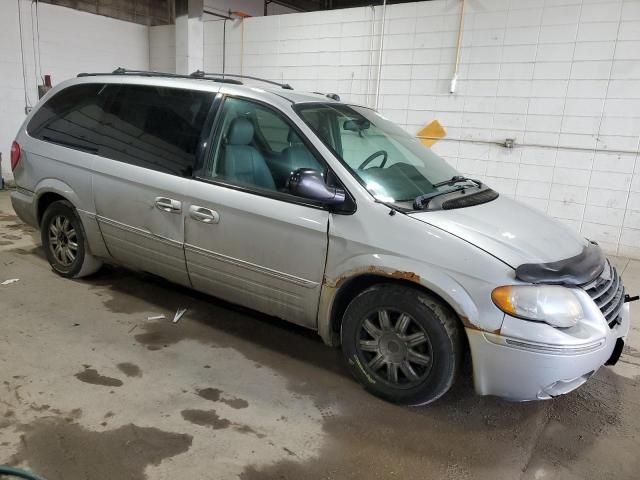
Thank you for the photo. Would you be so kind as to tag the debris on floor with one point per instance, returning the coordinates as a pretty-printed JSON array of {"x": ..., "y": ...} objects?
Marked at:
[
  {"x": 10, "y": 281},
  {"x": 156, "y": 317},
  {"x": 179, "y": 314}
]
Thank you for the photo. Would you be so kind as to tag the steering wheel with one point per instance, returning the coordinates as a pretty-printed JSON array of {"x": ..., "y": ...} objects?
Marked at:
[{"x": 372, "y": 156}]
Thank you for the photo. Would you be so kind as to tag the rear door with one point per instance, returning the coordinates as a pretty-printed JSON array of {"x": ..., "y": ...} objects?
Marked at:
[
  {"x": 151, "y": 136},
  {"x": 247, "y": 239}
]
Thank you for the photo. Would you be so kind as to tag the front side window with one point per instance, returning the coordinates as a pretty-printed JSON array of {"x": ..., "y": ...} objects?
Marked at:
[
  {"x": 393, "y": 166},
  {"x": 254, "y": 146},
  {"x": 156, "y": 127},
  {"x": 72, "y": 117}
]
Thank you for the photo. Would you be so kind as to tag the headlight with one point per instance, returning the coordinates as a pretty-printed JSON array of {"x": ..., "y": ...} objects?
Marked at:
[{"x": 553, "y": 304}]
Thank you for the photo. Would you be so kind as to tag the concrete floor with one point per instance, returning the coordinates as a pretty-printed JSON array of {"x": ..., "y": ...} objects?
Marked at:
[{"x": 92, "y": 389}]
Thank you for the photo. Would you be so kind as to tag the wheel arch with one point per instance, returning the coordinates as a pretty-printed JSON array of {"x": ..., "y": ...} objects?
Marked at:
[
  {"x": 44, "y": 200},
  {"x": 51, "y": 190},
  {"x": 336, "y": 296}
]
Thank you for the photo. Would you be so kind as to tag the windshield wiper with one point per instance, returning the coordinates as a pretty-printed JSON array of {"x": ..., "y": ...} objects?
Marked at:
[
  {"x": 421, "y": 201},
  {"x": 456, "y": 179}
]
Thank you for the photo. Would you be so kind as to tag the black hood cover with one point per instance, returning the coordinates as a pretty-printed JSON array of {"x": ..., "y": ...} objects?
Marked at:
[{"x": 583, "y": 268}]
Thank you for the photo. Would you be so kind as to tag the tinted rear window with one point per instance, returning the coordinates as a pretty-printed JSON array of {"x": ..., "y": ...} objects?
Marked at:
[
  {"x": 153, "y": 127},
  {"x": 72, "y": 117}
]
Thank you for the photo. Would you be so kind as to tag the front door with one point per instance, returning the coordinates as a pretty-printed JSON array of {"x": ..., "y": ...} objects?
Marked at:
[
  {"x": 151, "y": 138},
  {"x": 246, "y": 239}
]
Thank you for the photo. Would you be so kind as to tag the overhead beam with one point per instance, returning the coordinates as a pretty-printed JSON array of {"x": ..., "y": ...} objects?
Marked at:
[{"x": 297, "y": 5}]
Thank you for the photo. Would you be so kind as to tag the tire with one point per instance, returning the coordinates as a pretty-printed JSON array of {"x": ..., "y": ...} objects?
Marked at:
[
  {"x": 409, "y": 355},
  {"x": 65, "y": 243}
]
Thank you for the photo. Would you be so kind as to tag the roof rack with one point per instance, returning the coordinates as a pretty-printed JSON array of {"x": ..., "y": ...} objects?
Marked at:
[
  {"x": 201, "y": 74},
  {"x": 147, "y": 73},
  {"x": 332, "y": 96}
]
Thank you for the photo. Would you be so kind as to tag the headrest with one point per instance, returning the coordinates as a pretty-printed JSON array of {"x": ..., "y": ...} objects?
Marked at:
[{"x": 240, "y": 132}]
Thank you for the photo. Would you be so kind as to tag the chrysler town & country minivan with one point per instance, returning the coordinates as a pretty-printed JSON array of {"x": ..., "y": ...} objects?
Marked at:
[{"x": 324, "y": 214}]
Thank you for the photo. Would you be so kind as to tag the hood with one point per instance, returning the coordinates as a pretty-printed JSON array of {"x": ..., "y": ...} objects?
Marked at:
[{"x": 508, "y": 230}]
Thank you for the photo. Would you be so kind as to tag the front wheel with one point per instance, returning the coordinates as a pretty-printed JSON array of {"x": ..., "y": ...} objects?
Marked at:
[
  {"x": 64, "y": 242},
  {"x": 402, "y": 344}
]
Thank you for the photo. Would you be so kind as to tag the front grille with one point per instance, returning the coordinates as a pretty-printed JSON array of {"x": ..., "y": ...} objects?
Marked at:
[{"x": 607, "y": 292}]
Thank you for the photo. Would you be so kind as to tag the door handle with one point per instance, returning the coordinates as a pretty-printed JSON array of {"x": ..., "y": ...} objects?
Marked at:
[
  {"x": 204, "y": 215},
  {"x": 168, "y": 205}
]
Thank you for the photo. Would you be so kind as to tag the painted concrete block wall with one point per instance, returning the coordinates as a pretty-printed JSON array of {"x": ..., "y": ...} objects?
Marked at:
[
  {"x": 162, "y": 48},
  {"x": 70, "y": 42},
  {"x": 562, "y": 76}
]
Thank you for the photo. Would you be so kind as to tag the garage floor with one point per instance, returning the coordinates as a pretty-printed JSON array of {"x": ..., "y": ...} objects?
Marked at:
[{"x": 92, "y": 389}]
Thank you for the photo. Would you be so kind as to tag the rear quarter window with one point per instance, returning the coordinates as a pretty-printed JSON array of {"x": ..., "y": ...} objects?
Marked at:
[
  {"x": 153, "y": 127},
  {"x": 72, "y": 117}
]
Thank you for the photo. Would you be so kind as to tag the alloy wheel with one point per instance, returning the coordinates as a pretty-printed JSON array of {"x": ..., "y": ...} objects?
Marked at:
[
  {"x": 63, "y": 241},
  {"x": 395, "y": 348}
]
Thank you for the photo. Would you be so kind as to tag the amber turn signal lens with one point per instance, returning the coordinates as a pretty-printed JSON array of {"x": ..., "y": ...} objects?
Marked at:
[{"x": 501, "y": 296}]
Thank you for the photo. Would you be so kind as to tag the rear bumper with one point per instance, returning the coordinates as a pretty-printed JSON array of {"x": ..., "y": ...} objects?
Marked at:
[
  {"x": 24, "y": 205},
  {"x": 519, "y": 370}
]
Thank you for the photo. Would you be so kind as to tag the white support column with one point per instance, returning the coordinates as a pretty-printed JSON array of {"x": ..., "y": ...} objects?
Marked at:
[{"x": 189, "y": 36}]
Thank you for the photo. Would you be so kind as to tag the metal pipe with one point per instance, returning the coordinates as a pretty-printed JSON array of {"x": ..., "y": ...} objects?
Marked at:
[
  {"x": 373, "y": 32},
  {"x": 27, "y": 101},
  {"x": 384, "y": 17},
  {"x": 534, "y": 145},
  {"x": 454, "y": 80},
  {"x": 224, "y": 45},
  {"x": 242, "y": 46},
  {"x": 209, "y": 12}
]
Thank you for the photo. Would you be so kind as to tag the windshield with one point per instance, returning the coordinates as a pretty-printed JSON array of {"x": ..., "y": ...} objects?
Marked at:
[{"x": 394, "y": 166}]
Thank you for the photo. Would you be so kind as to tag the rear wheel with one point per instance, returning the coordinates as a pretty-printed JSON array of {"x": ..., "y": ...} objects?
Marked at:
[
  {"x": 64, "y": 242},
  {"x": 402, "y": 344}
]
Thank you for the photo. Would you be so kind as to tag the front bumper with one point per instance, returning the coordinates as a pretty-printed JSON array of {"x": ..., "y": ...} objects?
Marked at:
[{"x": 520, "y": 370}]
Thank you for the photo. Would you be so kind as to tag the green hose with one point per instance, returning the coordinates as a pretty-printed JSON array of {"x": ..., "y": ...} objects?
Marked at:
[{"x": 16, "y": 472}]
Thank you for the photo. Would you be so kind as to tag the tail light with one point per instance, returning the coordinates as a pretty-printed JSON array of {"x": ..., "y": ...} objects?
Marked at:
[{"x": 15, "y": 155}]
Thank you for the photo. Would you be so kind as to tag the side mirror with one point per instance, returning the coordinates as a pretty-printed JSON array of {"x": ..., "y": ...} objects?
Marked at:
[{"x": 309, "y": 183}]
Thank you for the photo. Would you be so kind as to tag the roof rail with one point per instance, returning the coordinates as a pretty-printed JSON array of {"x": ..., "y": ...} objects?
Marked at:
[
  {"x": 147, "y": 73},
  {"x": 332, "y": 96},
  {"x": 201, "y": 74}
]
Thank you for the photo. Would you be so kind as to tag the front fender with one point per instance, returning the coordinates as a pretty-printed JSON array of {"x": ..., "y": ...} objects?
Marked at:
[{"x": 445, "y": 284}]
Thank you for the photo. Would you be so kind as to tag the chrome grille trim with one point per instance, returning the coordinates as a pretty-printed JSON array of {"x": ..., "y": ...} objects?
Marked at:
[
  {"x": 611, "y": 292},
  {"x": 607, "y": 291}
]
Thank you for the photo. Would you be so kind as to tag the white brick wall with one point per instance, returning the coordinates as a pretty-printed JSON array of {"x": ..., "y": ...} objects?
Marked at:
[
  {"x": 162, "y": 48},
  {"x": 564, "y": 74},
  {"x": 70, "y": 42}
]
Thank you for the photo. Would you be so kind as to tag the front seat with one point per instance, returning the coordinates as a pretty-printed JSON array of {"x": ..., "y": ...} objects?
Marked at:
[
  {"x": 295, "y": 156},
  {"x": 242, "y": 162}
]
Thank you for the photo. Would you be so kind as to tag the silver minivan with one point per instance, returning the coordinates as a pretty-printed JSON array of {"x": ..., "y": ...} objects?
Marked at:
[{"x": 324, "y": 214}]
